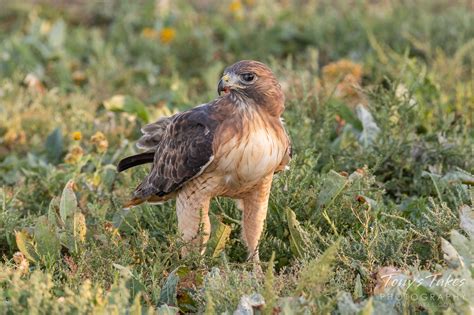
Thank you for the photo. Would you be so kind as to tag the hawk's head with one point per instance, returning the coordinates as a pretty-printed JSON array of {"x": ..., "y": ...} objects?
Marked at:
[{"x": 253, "y": 80}]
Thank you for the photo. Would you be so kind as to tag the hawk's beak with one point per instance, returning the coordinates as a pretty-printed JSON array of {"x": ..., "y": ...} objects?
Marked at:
[{"x": 224, "y": 85}]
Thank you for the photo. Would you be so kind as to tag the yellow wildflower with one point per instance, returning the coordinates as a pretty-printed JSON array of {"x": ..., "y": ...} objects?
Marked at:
[
  {"x": 96, "y": 179},
  {"x": 149, "y": 33},
  {"x": 13, "y": 137},
  {"x": 97, "y": 137},
  {"x": 167, "y": 35},
  {"x": 235, "y": 6},
  {"x": 102, "y": 146},
  {"x": 77, "y": 150},
  {"x": 343, "y": 77},
  {"x": 76, "y": 135},
  {"x": 342, "y": 69},
  {"x": 69, "y": 159},
  {"x": 100, "y": 141},
  {"x": 45, "y": 27},
  {"x": 10, "y": 136},
  {"x": 74, "y": 155}
]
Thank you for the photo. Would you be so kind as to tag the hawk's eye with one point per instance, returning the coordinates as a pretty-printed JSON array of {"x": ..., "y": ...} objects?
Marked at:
[{"x": 248, "y": 77}]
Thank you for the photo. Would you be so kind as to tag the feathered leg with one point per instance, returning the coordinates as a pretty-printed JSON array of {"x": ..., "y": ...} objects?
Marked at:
[
  {"x": 254, "y": 208},
  {"x": 192, "y": 208}
]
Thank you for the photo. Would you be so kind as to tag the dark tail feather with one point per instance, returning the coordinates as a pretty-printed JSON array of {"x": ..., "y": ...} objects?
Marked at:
[{"x": 135, "y": 160}]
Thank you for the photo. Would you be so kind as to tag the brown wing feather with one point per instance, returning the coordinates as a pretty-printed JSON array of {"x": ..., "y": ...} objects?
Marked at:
[
  {"x": 184, "y": 150},
  {"x": 153, "y": 133}
]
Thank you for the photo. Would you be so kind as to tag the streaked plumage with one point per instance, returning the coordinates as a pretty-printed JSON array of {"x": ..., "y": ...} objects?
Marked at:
[{"x": 229, "y": 147}]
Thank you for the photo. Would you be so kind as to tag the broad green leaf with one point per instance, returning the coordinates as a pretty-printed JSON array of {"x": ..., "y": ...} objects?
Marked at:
[
  {"x": 167, "y": 310},
  {"x": 75, "y": 231},
  {"x": 334, "y": 184},
  {"x": 317, "y": 272},
  {"x": 466, "y": 216},
  {"x": 368, "y": 308},
  {"x": 128, "y": 104},
  {"x": 26, "y": 245},
  {"x": 53, "y": 211},
  {"x": 169, "y": 290},
  {"x": 424, "y": 297},
  {"x": 108, "y": 176},
  {"x": 451, "y": 256},
  {"x": 54, "y": 146},
  {"x": 67, "y": 240},
  {"x": 125, "y": 219},
  {"x": 459, "y": 176},
  {"x": 216, "y": 244},
  {"x": 298, "y": 237},
  {"x": 134, "y": 286},
  {"x": 48, "y": 245},
  {"x": 68, "y": 203},
  {"x": 57, "y": 34},
  {"x": 358, "y": 292},
  {"x": 370, "y": 130},
  {"x": 464, "y": 247}
]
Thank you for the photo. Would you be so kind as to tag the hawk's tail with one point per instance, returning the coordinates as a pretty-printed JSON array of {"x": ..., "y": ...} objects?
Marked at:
[
  {"x": 154, "y": 199},
  {"x": 135, "y": 160},
  {"x": 133, "y": 202}
]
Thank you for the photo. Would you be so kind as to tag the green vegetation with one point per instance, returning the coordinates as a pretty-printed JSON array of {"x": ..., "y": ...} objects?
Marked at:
[{"x": 375, "y": 215}]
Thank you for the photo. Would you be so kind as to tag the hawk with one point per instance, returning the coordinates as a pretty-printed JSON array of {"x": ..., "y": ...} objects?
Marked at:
[{"x": 231, "y": 146}]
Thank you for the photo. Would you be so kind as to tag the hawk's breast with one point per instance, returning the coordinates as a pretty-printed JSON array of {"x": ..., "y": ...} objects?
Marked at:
[{"x": 247, "y": 157}]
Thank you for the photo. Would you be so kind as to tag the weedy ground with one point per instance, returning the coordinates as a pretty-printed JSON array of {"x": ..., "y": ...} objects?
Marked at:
[{"x": 375, "y": 214}]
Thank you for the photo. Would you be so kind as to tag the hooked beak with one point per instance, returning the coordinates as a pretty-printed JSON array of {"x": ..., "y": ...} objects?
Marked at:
[{"x": 224, "y": 85}]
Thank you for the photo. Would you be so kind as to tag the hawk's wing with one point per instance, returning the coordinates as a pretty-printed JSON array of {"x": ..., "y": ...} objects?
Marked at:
[
  {"x": 182, "y": 152},
  {"x": 153, "y": 133},
  {"x": 150, "y": 139}
]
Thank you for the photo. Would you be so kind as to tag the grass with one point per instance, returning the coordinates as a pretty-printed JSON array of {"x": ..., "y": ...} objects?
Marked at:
[{"x": 380, "y": 102}]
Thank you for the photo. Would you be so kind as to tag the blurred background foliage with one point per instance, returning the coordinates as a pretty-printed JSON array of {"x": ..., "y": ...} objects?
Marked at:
[{"x": 380, "y": 103}]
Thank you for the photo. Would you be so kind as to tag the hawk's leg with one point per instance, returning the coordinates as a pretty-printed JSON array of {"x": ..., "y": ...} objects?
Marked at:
[
  {"x": 254, "y": 206},
  {"x": 192, "y": 209}
]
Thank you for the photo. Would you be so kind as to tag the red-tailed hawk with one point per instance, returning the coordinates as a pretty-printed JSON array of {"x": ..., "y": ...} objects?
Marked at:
[{"x": 228, "y": 147}]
